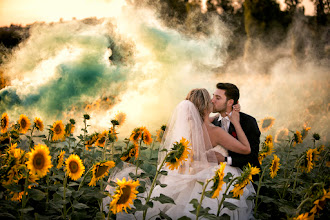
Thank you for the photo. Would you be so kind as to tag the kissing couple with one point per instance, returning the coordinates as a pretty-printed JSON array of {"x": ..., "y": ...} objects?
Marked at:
[{"x": 231, "y": 137}]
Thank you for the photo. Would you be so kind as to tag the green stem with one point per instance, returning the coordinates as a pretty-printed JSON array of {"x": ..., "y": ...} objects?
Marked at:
[
  {"x": 64, "y": 196},
  {"x": 24, "y": 199},
  {"x": 83, "y": 180},
  {"x": 153, "y": 184},
  {"x": 138, "y": 161},
  {"x": 259, "y": 186},
  {"x": 30, "y": 145},
  {"x": 295, "y": 179},
  {"x": 202, "y": 197},
  {"x": 47, "y": 193},
  {"x": 287, "y": 158},
  {"x": 152, "y": 147},
  {"x": 223, "y": 195},
  {"x": 302, "y": 203},
  {"x": 323, "y": 159}
]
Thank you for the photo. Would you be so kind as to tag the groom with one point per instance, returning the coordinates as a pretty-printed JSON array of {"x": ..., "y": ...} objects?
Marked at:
[{"x": 224, "y": 97}]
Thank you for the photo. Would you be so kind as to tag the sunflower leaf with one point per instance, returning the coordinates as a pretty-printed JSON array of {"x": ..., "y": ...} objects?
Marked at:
[
  {"x": 202, "y": 183},
  {"x": 211, "y": 216},
  {"x": 184, "y": 218},
  {"x": 138, "y": 205},
  {"x": 78, "y": 205},
  {"x": 164, "y": 199},
  {"x": 163, "y": 172},
  {"x": 36, "y": 194},
  {"x": 229, "y": 205},
  {"x": 164, "y": 216},
  {"x": 26, "y": 210}
]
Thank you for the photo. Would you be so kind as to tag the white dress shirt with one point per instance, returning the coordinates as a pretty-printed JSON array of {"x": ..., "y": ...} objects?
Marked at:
[{"x": 225, "y": 122}]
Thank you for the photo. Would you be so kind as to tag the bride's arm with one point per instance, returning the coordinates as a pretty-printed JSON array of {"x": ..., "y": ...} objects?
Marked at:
[
  {"x": 234, "y": 119},
  {"x": 227, "y": 141}
]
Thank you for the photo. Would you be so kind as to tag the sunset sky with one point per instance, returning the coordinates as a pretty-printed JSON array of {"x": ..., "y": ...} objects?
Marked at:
[{"x": 23, "y": 12}]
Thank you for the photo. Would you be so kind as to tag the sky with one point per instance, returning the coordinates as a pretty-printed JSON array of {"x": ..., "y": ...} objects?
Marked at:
[{"x": 22, "y": 12}]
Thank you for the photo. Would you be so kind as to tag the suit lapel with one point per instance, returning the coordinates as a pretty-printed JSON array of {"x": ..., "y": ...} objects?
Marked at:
[{"x": 216, "y": 122}]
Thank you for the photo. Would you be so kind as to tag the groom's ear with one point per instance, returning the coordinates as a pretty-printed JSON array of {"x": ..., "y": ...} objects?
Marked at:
[{"x": 230, "y": 102}]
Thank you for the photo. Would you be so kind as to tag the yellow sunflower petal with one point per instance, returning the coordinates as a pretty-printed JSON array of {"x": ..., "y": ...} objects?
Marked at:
[
  {"x": 4, "y": 123},
  {"x": 74, "y": 167},
  {"x": 39, "y": 160},
  {"x": 24, "y": 124}
]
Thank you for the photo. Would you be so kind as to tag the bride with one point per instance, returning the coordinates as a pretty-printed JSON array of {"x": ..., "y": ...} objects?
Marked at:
[{"x": 191, "y": 120}]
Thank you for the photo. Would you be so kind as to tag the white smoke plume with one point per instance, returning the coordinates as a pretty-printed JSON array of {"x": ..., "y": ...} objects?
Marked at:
[{"x": 63, "y": 67}]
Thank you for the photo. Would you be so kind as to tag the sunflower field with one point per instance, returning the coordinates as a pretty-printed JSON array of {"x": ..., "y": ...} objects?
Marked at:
[{"x": 48, "y": 173}]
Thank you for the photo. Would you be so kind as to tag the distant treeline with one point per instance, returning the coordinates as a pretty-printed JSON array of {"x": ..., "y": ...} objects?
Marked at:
[{"x": 251, "y": 21}]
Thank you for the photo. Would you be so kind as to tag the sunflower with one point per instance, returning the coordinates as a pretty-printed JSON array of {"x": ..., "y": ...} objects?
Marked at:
[
  {"x": 309, "y": 157},
  {"x": 179, "y": 153},
  {"x": 39, "y": 124},
  {"x": 267, "y": 147},
  {"x": 74, "y": 167},
  {"x": 146, "y": 137},
  {"x": 60, "y": 159},
  {"x": 267, "y": 123},
  {"x": 133, "y": 151},
  {"x": 124, "y": 195},
  {"x": 39, "y": 160},
  {"x": 4, "y": 123},
  {"x": 160, "y": 133},
  {"x": 316, "y": 137},
  {"x": 218, "y": 180},
  {"x": 244, "y": 179},
  {"x": 297, "y": 138},
  {"x": 304, "y": 216},
  {"x": 69, "y": 129},
  {"x": 100, "y": 170},
  {"x": 113, "y": 135},
  {"x": 281, "y": 135},
  {"x": 275, "y": 166},
  {"x": 304, "y": 131},
  {"x": 136, "y": 134},
  {"x": 17, "y": 196},
  {"x": 120, "y": 117},
  {"x": 238, "y": 190},
  {"x": 4, "y": 140},
  {"x": 58, "y": 131},
  {"x": 261, "y": 157},
  {"x": 101, "y": 139},
  {"x": 24, "y": 123},
  {"x": 91, "y": 141},
  {"x": 320, "y": 203}
]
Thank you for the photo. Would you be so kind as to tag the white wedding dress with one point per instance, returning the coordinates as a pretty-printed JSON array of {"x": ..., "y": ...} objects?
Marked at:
[{"x": 183, "y": 184}]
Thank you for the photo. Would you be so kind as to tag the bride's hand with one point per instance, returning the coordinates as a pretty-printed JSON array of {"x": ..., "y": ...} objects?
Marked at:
[{"x": 234, "y": 117}]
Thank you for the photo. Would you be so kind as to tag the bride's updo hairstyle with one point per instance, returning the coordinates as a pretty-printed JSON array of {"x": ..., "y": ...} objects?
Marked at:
[{"x": 201, "y": 99}]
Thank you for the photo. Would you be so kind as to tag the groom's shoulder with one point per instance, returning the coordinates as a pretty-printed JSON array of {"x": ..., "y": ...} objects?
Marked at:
[{"x": 247, "y": 117}]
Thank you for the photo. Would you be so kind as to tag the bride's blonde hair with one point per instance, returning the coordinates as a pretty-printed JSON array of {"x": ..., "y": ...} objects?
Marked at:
[{"x": 201, "y": 99}]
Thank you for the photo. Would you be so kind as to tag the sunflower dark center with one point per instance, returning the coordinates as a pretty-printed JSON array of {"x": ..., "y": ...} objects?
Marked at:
[
  {"x": 102, "y": 140},
  {"x": 266, "y": 123},
  {"x": 57, "y": 129},
  {"x": 125, "y": 196},
  {"x": 38, "y": 161},
  {"x": 3, "y": 122},
  {"x": 274, "y": 166},
  {"x": 73, "y": 167},
  {"x": 23, "y": 123},
  {"x": 101, "y": 171}
]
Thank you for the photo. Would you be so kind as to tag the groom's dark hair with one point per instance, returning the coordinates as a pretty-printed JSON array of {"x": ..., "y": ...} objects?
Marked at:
[{"x": 231, "y": 91}]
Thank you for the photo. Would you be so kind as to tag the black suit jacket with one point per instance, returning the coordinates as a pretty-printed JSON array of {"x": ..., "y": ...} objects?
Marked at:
[{"x": 252, "y": 132}]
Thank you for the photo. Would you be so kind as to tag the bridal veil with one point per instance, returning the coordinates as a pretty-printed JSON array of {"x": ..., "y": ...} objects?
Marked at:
[{"x": 187, "y": 123}]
